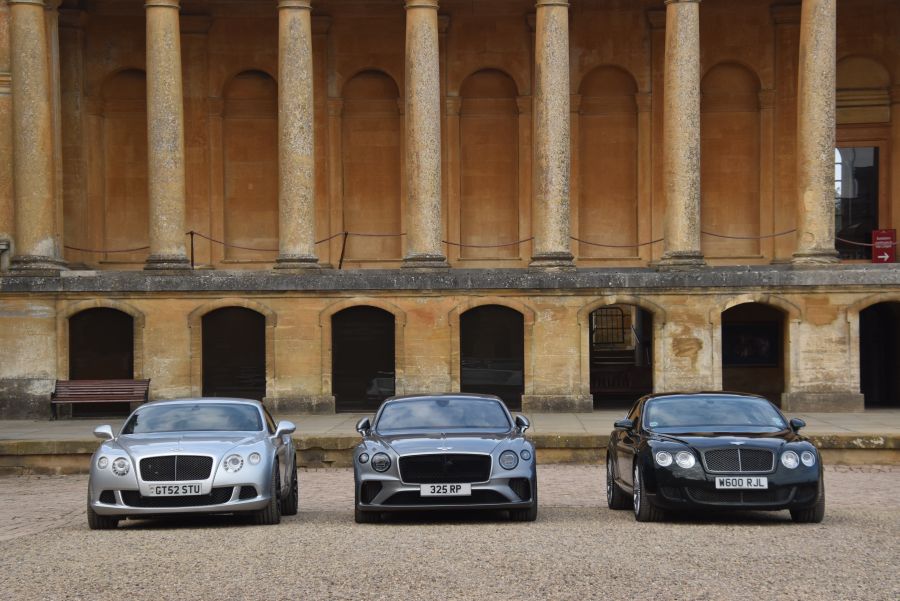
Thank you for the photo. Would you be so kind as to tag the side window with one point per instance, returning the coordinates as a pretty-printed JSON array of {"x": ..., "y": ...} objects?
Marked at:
[{"x": 270, "y": 423}]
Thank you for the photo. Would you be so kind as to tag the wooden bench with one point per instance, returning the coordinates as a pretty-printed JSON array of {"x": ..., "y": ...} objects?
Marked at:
[{"x": 99, "y": 391}]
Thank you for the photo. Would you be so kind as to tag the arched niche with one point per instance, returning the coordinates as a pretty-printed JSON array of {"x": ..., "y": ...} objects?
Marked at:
[
  {"x": 755, "y": 349},
  {"x": 489, "y": 165},
  {"x": 250, "y": 161},
  {"x": 730, "y": 170},
  {"x": 607, "y": 158},
  {"x": 371, "y": 146},
  {"x": 492, "y": 353},
  {"x": 863, "y": 91},
  {"x": 363, "y": 360},
  {"x": 126, "y": 210},
  {"x": 233, "y": 350}
]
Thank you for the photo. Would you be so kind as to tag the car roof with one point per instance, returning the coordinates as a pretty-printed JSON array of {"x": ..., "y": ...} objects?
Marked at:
[
  {"x": 704, "y": 393},
  {"x": 202, "y": 401},
  {"x": 443, "y": 395}
]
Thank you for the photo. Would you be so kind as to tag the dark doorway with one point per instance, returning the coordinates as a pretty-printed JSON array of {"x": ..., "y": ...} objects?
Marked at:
[
  {"x": 621, "y": 349},
  {"x": 234, "y": 353},
  {"x": 753, "y": 350},
  {"x": 492, "y": 353},
  {"x": 879, "y": 359},
  {"x": 362, "y": 360},
  {"x": 101, "y": 347}
]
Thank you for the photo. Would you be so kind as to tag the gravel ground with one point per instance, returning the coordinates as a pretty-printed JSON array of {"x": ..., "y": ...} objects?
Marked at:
[{"x": 577, "y": 549}]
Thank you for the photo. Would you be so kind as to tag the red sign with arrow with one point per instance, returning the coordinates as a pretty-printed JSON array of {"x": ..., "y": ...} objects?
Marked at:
[{"x": 884, "y": 246}]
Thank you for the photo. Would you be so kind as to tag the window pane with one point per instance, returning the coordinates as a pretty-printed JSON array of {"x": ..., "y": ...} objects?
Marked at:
[{"x": 856, "y": 200}]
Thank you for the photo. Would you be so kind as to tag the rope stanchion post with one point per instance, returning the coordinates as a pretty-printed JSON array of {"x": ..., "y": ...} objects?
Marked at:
[
  {"x": 192, "y": 248},
  {"x": 343, "y": 248}
]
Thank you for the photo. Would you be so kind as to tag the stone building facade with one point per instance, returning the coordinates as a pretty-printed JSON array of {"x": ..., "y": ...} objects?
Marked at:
[{"x": 565, "y": 202}]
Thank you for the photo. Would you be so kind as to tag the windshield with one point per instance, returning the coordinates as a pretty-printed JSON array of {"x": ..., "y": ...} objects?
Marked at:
[
  {"x": 712, "y": 414},
  {"x": 443, "y": 414},
  {"x": 195, "y": 417}
]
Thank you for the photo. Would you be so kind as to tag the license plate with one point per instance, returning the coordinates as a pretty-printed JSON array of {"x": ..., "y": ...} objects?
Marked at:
[
  {"x": 742, "y": 482},
  {"x": 445, "y": 490},
  {"x": 174, "y": 490}
]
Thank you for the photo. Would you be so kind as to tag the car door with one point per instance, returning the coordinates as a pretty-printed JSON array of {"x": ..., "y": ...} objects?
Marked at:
[
  {"x": 626, "y": 446},
  {"x": 281, "y": 449}
]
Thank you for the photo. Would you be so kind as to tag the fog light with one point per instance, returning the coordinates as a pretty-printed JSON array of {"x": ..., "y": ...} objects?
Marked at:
[
  {"x": 526, "y": 454},
  {"x": 363, "y": 457},
  {"x": 103, "y": 463},
  {"x": 685, "y": 459},
  {"x": 233, "y": 463},
  {"x": 808, "y": 458},
  {"x": 254, "y": 458},
  {"x": 508, "y": 460},
  {"x": 120, "y": 466},
  {"x": 663, "y": 458},
  {"x": 790, "y": 460},
  {"x": 381, "y": 462}
]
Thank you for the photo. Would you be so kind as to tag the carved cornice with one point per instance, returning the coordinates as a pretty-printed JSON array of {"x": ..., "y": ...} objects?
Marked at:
[{"x": 452, "y": 105}]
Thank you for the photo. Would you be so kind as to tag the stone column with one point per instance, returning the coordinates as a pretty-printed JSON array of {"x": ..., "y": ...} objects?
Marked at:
[
  {"x": 550, "y": 219},
  {"x": 681, "y": 135},
  {"x": 424, "y": 224},
  {"x": 815, "y": 133},
  {"x": 165, "y": 137},
  {"x": 51, "y": 23},
  {"x": 36, "y": 244},
  {"x": 296, "y": 152}
]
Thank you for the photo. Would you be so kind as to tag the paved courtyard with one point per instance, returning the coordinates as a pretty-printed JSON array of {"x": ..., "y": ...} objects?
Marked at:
[{"x": 577, "y": 549}]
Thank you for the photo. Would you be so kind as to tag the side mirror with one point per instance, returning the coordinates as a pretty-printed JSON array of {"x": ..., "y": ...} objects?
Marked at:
[
  {"x": 104, "y": 432},
  {"x": 284, "y": 427},
  {"x": 626, "y": 425},
  {"x": 522, "y": 423},
  {"x": 363, "y": 426},
  {"x": 797, "y": 423}
]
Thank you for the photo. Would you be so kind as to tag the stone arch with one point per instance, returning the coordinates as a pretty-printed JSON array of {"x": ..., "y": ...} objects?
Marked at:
[
  {"x": 372, "y": 166},
  {"x": 607, "y": 157},
  {"x": 731, "y": 144},
  {"x": 657, "y": 312},
  {"x": 399, "y": 343},
  {"x": 852, "y": 315},
  {"x": 863, "y": 92},
  {"x": 489, "y": 211},
  {"x": 521, "y": 85},
  {"x": 342, "y": 81},
  {"x": 195, "y": 324},
  {"x": 62, "y": 331},
  {"x": 528, "y": 319},
  {"x": 250, "y": 166}
]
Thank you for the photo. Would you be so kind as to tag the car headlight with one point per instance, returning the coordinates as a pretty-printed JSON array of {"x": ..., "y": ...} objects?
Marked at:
[
  {"x": 790, "y": 460},
  {"x": 381, "y": 462},
  {"x": 663, "y": 458},
  {"x": 233, "y": 463},
  {"x": 526, "y": 455},
  {"x": 685, "y": 459},
  {"x": 509, "y": 460},
  {"x": 121, "y": 466},
  {"x": 103, "y": 463},
  {"x": 363, "y": 457},
  {"x": 254, "y": 458},
  {"x": 808, "y": 458}
]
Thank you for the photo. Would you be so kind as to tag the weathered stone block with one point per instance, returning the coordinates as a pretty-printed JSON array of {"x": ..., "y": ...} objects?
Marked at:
[{"x": 823, "y": 401}]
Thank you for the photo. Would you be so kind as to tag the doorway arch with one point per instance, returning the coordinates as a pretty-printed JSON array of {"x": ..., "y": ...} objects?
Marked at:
[
  {"x": 234, "y": 353},
  {"x": 621, "y": 355},
  {"x": 754, "y": 350},
  {"x": 492, "y": 353},
  {"x": 363, "y": 362},
  {"x": 101, "y": 347},
  {"x": 879, "y": 354}
]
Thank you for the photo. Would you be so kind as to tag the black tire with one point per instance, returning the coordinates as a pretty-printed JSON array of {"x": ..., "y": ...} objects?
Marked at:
[
  {"x": 97, "y": 521},
  {"x": 291, "y": 503},
  {"x": 616, "y": 498},
  {"x": 529, "y": 514},
  {"x": 644, "y": 510},
  {"x": 271, "y": 513},
  {"x": 811, "y": 515},
  {"x": 362, "y": 517}
]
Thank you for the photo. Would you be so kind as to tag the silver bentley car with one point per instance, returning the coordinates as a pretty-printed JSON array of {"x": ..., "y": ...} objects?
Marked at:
[
  {"x": 448, "y": 451},
  {"x": 205, "y": 455}
]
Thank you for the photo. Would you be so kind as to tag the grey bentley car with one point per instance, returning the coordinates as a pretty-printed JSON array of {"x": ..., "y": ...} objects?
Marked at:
[
  {"x": 448, "y": 451},
  {"x": 206, "y": 455}
]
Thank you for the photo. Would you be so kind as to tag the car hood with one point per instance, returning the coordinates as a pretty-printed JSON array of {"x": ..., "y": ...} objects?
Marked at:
[
  {"x": 215, "y": 443},
  {"x": 709, "y": 441},
  {"x": 412, "y": 444}
]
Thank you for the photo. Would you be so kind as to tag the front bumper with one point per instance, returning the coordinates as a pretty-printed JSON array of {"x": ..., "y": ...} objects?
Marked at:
[
  {"x": 694, "y": 488},
  {"x": 130, "y": 503},
  {"x": 386, "y": 494}
]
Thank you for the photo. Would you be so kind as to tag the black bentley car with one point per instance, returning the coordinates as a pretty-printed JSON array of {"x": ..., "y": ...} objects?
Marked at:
[{"x": 712, "y": 450}]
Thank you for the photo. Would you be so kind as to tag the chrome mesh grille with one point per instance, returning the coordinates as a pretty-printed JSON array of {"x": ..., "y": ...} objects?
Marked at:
[
  {"x": 737, "y": 460},
  {"x": 174, "y": 468},
  {"x": 440, "y": 468}
]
